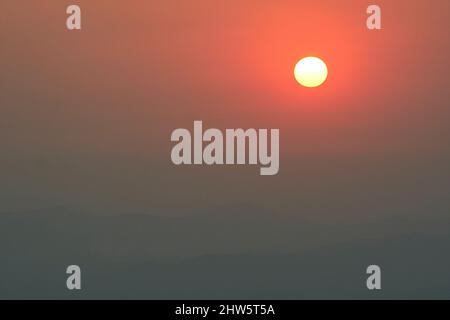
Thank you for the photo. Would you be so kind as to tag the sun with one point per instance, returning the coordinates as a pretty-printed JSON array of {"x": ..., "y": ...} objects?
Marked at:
[{"x": 310, "y": 72}]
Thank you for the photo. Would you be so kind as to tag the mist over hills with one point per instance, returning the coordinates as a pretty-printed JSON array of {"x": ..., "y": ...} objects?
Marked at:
[{"x": 237, "y": 256}]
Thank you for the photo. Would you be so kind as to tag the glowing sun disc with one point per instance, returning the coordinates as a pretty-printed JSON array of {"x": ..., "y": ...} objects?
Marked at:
[{"x": 310, "y": 72}]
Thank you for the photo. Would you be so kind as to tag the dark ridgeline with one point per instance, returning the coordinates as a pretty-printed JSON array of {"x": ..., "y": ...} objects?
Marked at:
[{"x": 145, "y": 256}]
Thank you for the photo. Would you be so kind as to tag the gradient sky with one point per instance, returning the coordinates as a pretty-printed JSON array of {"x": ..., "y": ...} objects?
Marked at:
[
  {"x": 87, "y": 115},
  {"x": 86, "y": 175}
]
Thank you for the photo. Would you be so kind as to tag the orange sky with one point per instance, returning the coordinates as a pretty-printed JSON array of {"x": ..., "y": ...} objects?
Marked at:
[{"x": 102, "y": 102}]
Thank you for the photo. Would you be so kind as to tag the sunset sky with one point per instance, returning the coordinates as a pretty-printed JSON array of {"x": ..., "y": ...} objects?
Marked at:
[{"x": 86, "y": 116}]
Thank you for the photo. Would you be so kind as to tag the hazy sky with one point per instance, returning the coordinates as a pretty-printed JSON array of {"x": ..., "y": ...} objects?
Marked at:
[
  {"x": 86, "y": 116},
  {"x": 86, "y": 175}
]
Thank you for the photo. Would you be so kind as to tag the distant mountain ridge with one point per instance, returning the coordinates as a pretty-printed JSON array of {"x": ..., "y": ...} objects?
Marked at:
[{"x": 141, "y": 256}]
